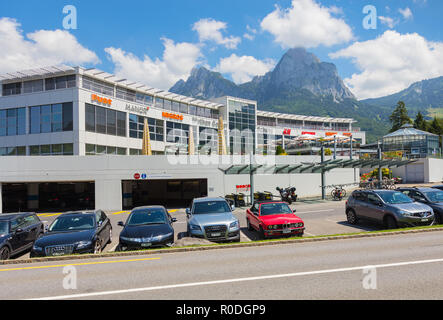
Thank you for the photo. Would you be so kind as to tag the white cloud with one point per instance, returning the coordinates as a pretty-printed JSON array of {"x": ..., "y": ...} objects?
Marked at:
[
  {"x": 406, "y": 13},
  {"x": 177, "y": 62},
  {"x": 41, "y": 48},
  {"x": 250, "y": 34},
  {"x": 390, "y": 22},
  {"x": 391, "y": 63},
  {"x": 211, "y": 30},
  {"x": 244, "y": 68},
  {"x": 307, "y": 24}
]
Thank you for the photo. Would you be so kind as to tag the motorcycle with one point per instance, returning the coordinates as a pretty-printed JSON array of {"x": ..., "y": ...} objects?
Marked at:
[
  {"x": 293, "y": 194},
  {"x": 285, "y": 195}
]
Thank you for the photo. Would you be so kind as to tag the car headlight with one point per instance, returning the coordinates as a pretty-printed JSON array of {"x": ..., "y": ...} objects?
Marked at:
[
  {"x": 194, "y": 227},
  {"x": 131, "y": 239},
  {"x": 83, "y": 244},
  {"x": 234, "y": 225},
  {"x": 406, "y": 214},
  {"x": 271, "y": 227},
  {"x": 36, "y": 248}
]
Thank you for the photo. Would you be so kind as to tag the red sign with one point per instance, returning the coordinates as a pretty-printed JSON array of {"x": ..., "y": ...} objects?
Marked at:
[
  {"x": 308, "y": 132},
  {"x": 287, "y": 131},
  {"x": 348, "y": 134},
  {"x": 137, "y": 176},
  {"x": 328, "y": 134}
]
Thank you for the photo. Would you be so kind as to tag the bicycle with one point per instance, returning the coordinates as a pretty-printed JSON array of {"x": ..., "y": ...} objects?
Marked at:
[{"x": 338, "y": 193}]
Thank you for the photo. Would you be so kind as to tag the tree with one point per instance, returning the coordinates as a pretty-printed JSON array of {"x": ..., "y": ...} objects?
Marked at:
[
  {"x": 435, "y": 127},
  {"x": 399, "y": 117},
  {"x": 280, "y": 151},
  {"x": 420, "y": 123}
]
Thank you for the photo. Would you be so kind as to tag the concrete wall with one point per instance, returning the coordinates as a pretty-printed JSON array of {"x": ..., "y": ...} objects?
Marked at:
[{"x": 108, "y": 172}]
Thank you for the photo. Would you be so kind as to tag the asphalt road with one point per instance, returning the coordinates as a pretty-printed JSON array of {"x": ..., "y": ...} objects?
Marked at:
[
  {"x": 321, "y": 218},
  {"x": 406, "y": 267}
]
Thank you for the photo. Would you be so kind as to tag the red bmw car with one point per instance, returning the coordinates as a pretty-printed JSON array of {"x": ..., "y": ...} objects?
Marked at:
[{"x": 273, "y": 218}]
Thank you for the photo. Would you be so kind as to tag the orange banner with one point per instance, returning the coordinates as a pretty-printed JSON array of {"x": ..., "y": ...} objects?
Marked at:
[
  {"x": 172, "y": 116},
  {"x": 328, "y": 134},
  {"x": 95, "y": 97}
]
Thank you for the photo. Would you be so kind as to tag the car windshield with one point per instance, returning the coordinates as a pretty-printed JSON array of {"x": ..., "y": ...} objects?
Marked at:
[
  {"x": 394, "y": 197},
  {"x": 4, "y": 228},
  {"x": 147, "y": 216},
  {"x": 434, "y": 196},
  {"x": 211, "y": 207},
  {"x": 73, "y": 223},
  {"x": 267, "y": 209}
]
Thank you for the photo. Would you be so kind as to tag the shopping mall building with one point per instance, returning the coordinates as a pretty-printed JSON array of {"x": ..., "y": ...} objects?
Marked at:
[{"x": 74, "y": 116}]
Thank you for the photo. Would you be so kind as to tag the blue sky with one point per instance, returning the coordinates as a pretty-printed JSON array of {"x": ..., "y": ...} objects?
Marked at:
[{"x": 157, "y": 42}]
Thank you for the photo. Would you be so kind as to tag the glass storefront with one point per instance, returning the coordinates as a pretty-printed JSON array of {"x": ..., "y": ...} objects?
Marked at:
[{"x": 242, "y": 124}]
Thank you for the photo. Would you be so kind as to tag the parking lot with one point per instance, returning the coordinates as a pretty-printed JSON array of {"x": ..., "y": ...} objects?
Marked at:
[{"x": 320, "y": 217}]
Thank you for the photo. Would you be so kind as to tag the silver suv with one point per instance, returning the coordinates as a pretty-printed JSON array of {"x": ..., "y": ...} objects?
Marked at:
[
  {"x": 392, "y": 208},
  {"x": 212, "y": 219}
]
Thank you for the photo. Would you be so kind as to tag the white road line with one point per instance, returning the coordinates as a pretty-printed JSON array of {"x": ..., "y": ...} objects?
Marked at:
[
  {"x": 326, "y": 210},
  {"x": 309, "y": 234},
  {"x": 206, "y": 283}
]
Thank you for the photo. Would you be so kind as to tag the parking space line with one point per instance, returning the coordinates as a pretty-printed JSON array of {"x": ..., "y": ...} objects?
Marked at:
[
  {"x": 78, "y": 264},
  {"x": 119, "y": 212},
  {"x": 51, "y": 214},
  {"x": 326, "y": 210}
]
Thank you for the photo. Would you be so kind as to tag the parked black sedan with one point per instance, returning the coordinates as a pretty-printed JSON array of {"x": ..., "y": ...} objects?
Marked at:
[
  {"x": 432, "y": 197},
  {"x": 147, "y": 227},
  {"x": 18, "y": 232},
  {"x": 74, "y": 233}
]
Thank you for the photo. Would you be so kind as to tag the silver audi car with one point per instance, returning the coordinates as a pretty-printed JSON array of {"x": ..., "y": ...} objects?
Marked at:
[{"x": 212, "y": 219}]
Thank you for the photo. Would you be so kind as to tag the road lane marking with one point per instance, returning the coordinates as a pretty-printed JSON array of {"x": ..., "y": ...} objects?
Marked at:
[
  {"x": 173, "y": 210},
  {"x": 51, "y": 214},
  {"x": 77, "y": 264},
  {"x": 206, "y": 283},
  {"x": 119, "y": 212},
  {"x": 326, "y": 210}
]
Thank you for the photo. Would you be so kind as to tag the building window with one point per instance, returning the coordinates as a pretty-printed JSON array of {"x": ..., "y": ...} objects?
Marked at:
[
  {"x": 98, "y": 86},
  {"x": 33, "y": 86},
  {"x": 105, "y": 121},
  {"x": 136, "y": 126},
  {"x": 135, "y": 152},
  {"x": 159, "y": 103},
  {"x": 144, "y": 98},
  {"x": 92, "y": 149},
  {"x": 51, "y": 118},
  {"x": 125, "y": 94},
  {"x": 13, "y": 122},
  {"x": 207, "y": 140},
  {"x": 13, "y": 151},
  {"x": 62, "y": 82},
  {"x": 66, "y": 149},
  {"x": 10, "y": 89},
  {"x": 178, "y": 134}
]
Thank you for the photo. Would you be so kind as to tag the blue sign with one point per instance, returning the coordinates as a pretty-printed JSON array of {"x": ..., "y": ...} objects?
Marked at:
[{"x": 144, "y": 176}]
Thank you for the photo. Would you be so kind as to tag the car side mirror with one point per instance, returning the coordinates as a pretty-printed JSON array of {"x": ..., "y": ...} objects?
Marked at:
[
  {"x": 46, "y": 228},
  {"x": 19, "y": 230},
  {"x": 121, "y": 224},
  {"x": 188, "y": 211},
  {"x": 174, "y": 220},
  {"x": 232, "y": 207}
]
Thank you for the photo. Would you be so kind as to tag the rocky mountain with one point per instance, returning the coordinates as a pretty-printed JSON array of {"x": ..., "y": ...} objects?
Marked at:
[
  {"x": 425, "y": 96},
  {"x": 300, "y": 84}
]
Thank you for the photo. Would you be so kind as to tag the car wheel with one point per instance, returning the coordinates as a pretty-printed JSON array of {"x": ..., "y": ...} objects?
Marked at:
[
  {"x": 5, "y": 253},
  {"x": 97, "y": 247},
  {"x": 249, "y": 225},
  {"x": 390, "y": 223},
  {"x": 437, "y": 219},
  {"x": 110, "y": 237},
  {"x": 261, "y": 234},
  {"x": 351, "y": 217}
]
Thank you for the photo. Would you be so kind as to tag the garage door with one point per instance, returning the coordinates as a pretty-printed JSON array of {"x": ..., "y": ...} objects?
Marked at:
[{"x": 415, "y": 173}]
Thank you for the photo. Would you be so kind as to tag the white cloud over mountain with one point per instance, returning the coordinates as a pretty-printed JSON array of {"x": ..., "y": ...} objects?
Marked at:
[
  {"x": 307, "y": 24},
  {"x": 177, "y": 62},
  {"x": 391, "y": 63},
  {"x": 211, "y": 30},
  {"x": 244, "y": 68}
]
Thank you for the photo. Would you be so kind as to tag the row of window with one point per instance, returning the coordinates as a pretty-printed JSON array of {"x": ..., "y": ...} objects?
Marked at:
[
  {"x": 104, "y": 120},
  {"x": 136, "y": 127},
  {"x": 51, "y": 118},
  {"x": 31, "y": 86},
  {"x": 13, "y": 122},
  {"x": 66, "y": 149},
  {"x": 92, "y": 149}
]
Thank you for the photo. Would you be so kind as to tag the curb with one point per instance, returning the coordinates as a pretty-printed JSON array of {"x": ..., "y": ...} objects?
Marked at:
[{"x": 213, "y": 247}]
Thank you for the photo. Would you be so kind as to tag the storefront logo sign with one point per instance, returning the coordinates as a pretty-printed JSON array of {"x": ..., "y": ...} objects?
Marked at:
[
  {"x": 95, "y": 97},
  {"x": 137, "y": 109},
  {"x": 172, "y": 116},
  {"x": 287, "y": 131},
  {"x": 308, "y": 132}
]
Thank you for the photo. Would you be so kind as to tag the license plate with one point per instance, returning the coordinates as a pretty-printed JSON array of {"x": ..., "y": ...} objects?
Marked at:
[
  {"x": 424, "y": 220},
  {"x": 286, "y": 230},
  {"x": 57, "y": 253},
  {"x": 146, "y": 244},
  {"x": 217, "y": 234}
]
